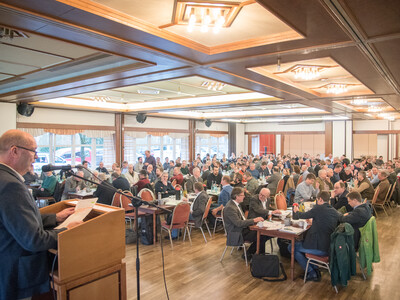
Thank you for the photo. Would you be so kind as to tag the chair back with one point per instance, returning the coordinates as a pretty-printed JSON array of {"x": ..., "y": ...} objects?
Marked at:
[
  {"x": 300, "y": 180},
  {"x": 116, "y": 201},
  {"x": 146, "y": 195},
  {"x": 280, "y": 201},
  {"x": 208, "y": 205},
  {"x": 180, "y": 215},
  {"x": 279, "y": 187},
  {"x": 125, "y": 201},
  {"x": 390, "y": 192},
  {"x": 375, "y": 195}
]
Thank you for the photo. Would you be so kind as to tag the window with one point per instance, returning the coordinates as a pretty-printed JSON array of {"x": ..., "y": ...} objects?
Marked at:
[
  {"x": 206, "y": 143},
  {"x": 165, "y": 146},
  {"x": 73, "y": 149}
]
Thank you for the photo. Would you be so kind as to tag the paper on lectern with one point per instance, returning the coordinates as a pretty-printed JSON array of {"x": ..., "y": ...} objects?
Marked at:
[{"x": 82, "y": 209}]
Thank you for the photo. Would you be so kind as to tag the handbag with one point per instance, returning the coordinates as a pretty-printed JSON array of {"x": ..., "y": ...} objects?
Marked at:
[{"x": 267, "y": 265}]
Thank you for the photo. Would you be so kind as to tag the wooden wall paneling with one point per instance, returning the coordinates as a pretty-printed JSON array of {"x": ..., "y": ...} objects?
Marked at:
[
  {"x": 192, "y": 139},
  {"x": 118, "y": 138},
  {"x": 328, "y": 137},
  {"x": 231, "y": 138},
  {"x": 283, "y": 145},
  {"x": 372, "y": 144},
  {"x": 249, "y": 143}
]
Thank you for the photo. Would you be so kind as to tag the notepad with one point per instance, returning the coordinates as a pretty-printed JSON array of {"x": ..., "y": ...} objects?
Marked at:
[{"x": 82, "y": 209}]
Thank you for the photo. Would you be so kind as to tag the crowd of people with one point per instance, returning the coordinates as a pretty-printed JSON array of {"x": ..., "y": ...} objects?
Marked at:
[{"x": 342, "y": 190}]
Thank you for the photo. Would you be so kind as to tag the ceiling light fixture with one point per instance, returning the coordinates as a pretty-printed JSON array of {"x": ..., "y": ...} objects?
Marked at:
[
  {"x": 359, "y": 102},
  {"x": 336, "y": 88},
  {"x": 100, "y": 98},
  {"x": 374, "y": 109},
  {"x": 307, "y": 72},
  {"x": 206, "y": 15},
  {"x": 148, "y": 92},
  {"x": 386, "y": 116},
  {"x": 213, "y": 85}
]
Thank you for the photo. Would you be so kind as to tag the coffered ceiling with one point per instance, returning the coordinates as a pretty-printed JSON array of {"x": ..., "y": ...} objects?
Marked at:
[{"x": 135, "y": 55}]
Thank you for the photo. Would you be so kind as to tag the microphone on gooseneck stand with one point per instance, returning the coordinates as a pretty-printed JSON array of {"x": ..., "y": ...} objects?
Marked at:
[{"x": 48, "y": 168}]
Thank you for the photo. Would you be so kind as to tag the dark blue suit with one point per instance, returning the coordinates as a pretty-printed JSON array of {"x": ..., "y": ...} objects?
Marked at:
[{"x": 24, "y": 241}]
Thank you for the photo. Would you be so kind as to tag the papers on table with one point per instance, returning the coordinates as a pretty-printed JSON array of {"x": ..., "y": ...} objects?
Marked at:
[
  {"x": 291, "y": 229},
  {"x": 271, "y": 225},
  {"x": 283, "y": 213},
  {"x": 82, "y": 209}
]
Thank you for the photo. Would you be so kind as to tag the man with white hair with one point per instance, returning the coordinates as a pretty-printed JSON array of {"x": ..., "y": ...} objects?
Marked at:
[
  {"x": 193, "y": 179},
  {"x": 73, "y": 185},
  {"x": 324, "y": 183}
]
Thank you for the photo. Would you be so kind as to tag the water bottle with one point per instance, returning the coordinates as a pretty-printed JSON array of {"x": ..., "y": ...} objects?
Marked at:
[{"x": 178, "y": 194}]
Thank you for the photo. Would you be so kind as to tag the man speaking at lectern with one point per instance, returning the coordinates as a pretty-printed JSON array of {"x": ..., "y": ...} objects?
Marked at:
[{"x": 25, "y": 235}]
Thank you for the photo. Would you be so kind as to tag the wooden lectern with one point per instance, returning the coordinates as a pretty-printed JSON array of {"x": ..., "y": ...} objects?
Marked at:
[{"x": 90, "y": 255}]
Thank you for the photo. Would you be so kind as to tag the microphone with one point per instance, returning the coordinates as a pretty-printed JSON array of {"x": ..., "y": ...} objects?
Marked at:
[{"x": 48, "y": 168}]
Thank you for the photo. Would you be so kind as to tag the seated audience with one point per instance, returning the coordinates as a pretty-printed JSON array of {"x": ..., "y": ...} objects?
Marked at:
[
  {"x": 48, "y": 186},
  {"x": 193, "y": 179},
  {"x": 324, "y": 183},
  {"x": 184, "y": 168},
  {"x": 373, "y": 177},
  {"x": 150, "y": 172},
  {"x": 236, "y": 224},
  {"x": 273, "y": 180},
  {"x": 214, "y": 177},
  {"x": 164, "y": 187},
  {"x": 139, "y": 165},
  {"x": 305, "y": 190},
  {"x": 252, "y": 183},
  {"x": 363, "y": 186},
  {"x": 254, "y": 172},
  {"x": 260, "y": 205},
  {"x": 317, "y": 240},
  {"x": 86, "y": 173},
  {"x": 358, "y": 217},
  {"x": 120, "y": 182},
  {"x": 383, "y": 185},
  {"x": 143, "y": 180},
  {"x": 124, "y": 167},
  {"x": 101, "y": 168},
  {"x": 223, "y": 197},
  {"x": 105, "y": 191},
  {"x": 339, "y": 196},
  {"x": 31, "y": 176},
  {"x": 73, "y": 185},
  {"x": 178, "y": 177},
  {"x": 131, "y": 175}
]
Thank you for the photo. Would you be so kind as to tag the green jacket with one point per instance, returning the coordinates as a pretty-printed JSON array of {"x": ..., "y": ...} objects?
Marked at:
[
  {"x": 49, "y": 183},
  {"x": 369, "y": 247},
  {"x": 342, "y": 258}
]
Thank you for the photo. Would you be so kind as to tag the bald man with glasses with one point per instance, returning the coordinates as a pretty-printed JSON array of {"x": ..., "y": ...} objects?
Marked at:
[
  {"x": 25, "y": 234},
  {"x": 260, "y": 205}
]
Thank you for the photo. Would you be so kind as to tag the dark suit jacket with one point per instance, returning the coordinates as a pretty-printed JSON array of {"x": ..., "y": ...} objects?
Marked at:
[
  {"x": 257, "y": 209},
  {"x": 234, "y": 224},
  {"x": 325, "y": 220},
  {"x": 340, "y": 201},
  {"x": 199, "y": 206},
  {"x": 212, "y": 178},
  {"x": 273, "y": 182},
  {"x": 104, "y": 192},
  {"x": 357, "y": 218},
  {"x": 24, "y": 241},
  {"x": 121, "y": 183}
]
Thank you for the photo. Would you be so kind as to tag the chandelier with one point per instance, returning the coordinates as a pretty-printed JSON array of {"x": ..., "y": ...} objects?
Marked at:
[
  {"x": 359, "y": 102},
  {"x": 386, "y": 116},
  {"x": 208, "y": 15},
  {"x": 100, "y": 98},
  {"x": 307, "y": 72},
  {"x": 213, "y": 85},
  {"x": 335, "y": 88},
  {"x": 374, "y": 109}
]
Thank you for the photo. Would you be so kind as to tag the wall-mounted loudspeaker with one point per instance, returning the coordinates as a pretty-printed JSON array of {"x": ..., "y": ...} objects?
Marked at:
[
  {"x": 208, "y": 122},
  {"x": 141, "y": 118},
  {"x": 25, "y": 109}
]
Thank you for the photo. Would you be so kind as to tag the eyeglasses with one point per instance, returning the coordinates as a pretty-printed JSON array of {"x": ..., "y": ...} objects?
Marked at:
[{"x": 30, "y": 150}]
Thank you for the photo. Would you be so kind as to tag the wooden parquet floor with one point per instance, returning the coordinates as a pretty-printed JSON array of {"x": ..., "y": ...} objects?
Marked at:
[{"x": 194, "y": 272}]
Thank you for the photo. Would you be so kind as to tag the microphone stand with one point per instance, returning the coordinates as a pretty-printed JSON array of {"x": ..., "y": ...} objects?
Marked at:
[{"x": 136, "y": 203}]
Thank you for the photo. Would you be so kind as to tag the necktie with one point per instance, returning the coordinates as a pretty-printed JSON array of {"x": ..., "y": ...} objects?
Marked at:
[{"x": 241, "y": 212}]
